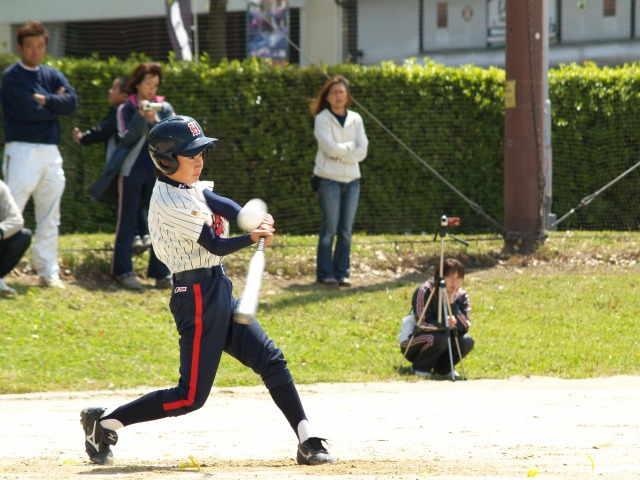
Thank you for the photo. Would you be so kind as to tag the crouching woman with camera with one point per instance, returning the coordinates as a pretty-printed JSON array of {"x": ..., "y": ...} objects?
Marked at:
[{"x": 428, "y": 347}]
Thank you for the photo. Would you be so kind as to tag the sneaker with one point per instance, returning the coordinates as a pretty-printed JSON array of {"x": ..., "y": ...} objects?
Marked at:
[
  {"x": 5, "y": 290},
  {"x": 97, "y": 438},
  {"x": 312, "y": 452},
  {"x": 420, "y": 373},
  {"x": 344, "y": 282},
  {"x": 328, "y": 281},
  {"x": 137, "y": 246},
  {"x": 146, "y": 242},
  {"x": 52, "y": 281},
  {"x": 165, "y": 282},
  {"x": 129, "y": 281}
]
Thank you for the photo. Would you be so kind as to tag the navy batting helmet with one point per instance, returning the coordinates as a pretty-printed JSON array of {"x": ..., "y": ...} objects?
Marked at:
[{"x": 176, "y": 135}]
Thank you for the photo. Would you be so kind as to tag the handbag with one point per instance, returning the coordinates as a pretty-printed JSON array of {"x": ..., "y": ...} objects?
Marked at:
[
  {"x": 407, "y": 326},
  {"x": 315, "y": 182}
]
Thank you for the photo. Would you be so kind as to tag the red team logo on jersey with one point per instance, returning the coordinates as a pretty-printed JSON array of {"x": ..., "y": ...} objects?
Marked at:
[
  {"x": 193, "y": 126},
  {"x": 217, "y": 226}
]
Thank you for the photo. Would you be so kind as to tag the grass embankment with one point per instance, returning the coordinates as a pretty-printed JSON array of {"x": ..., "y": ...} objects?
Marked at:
[{"x": 571, "y": 310}]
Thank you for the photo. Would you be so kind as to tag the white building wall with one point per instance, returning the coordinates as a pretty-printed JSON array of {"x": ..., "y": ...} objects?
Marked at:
[
  {"x": 387, "y": 30},
  {"x": 583, "y": 20},
  {"x": 467, "y": 25},
  {"x": 321, "y": 36}
]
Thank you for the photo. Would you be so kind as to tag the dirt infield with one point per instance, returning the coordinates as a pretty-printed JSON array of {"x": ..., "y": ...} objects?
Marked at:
[{"x": 478, "y": 429}]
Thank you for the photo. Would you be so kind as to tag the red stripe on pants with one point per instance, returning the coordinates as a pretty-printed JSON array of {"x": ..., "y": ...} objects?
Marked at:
[{"x": 195, "y": 356}]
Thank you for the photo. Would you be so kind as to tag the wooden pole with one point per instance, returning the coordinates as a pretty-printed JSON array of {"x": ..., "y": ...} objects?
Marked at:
[{"x": 524, "y": 175}]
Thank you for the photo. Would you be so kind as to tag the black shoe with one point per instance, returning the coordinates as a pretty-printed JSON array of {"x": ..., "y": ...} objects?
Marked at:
[
  {"x": 312, "y": 452},
  {"x": 97, "y": 438}
]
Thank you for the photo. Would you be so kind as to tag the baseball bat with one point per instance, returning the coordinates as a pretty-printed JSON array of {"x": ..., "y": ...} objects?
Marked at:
[{"x": 249, "y": 301}]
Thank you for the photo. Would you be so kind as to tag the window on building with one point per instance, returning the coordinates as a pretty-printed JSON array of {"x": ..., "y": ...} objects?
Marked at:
[
  {"x": 443, "y": 15},
  {"x": 609, "y": 8}
]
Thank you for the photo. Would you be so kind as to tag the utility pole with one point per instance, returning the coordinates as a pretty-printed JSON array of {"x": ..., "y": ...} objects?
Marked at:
[{"x": 527, "y": 160}]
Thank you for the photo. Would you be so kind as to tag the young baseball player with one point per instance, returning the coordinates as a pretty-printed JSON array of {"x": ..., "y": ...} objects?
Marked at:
[
  {"x": 189, "y": 226},
  {"x": 106, "y": 130}
]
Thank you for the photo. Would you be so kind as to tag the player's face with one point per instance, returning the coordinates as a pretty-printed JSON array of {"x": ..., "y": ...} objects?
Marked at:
[
  {"x": 148, "y": 87},
  {"x": 189, "y": 169},
  {"x": 337, "y": 97},
  {"x": 452, "y": 283},
  {"x": 116, "y": 95},
  {"x": 33, "y": 50}
]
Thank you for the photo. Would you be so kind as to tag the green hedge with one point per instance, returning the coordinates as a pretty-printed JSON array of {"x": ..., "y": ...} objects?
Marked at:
[
  {"x": 596, "y": 137},
  {"x": 452, "y": 118}
]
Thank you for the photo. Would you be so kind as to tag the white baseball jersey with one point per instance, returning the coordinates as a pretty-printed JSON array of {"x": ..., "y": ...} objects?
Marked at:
[{"x": 176, "y": 218}]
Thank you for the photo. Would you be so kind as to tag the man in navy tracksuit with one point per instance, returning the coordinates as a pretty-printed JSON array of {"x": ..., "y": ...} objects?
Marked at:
[{"x": 32, "y": 96}]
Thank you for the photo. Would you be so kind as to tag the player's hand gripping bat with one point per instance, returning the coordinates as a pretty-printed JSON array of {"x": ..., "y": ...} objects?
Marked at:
[{"x": 249, "y": 302}]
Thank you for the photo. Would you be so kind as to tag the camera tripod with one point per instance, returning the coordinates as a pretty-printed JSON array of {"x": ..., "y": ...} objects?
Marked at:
[{"x": 444, "y": 307}]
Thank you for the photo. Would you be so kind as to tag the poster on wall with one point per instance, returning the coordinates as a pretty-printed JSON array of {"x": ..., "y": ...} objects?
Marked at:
[
  {"x": 497, "y": 22},
  {"x": 267, "y": 26}
]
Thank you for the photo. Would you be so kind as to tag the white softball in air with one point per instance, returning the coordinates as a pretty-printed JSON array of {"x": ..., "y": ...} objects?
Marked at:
[{"x": 250, "y": 217}]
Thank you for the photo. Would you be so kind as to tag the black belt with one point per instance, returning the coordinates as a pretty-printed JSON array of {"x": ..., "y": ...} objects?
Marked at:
[{"x": 198, "y": 273}]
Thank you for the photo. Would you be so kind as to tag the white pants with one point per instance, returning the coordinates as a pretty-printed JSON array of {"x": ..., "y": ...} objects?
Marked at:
[{"x": 33, "y": 169}]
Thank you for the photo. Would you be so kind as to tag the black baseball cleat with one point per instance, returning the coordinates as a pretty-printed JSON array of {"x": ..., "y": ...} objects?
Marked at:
[
  {"x": 97, "y": 438},
  {"x": 313, "y": 452}
]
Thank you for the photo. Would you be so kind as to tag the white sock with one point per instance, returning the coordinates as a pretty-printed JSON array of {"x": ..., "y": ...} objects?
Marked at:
[
  {"x": 304, "y": 430},
  {"x": 110, "y": 423}
]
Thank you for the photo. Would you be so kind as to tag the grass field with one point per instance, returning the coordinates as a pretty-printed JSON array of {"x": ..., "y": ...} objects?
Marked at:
[{"x": 570, "y": 310}]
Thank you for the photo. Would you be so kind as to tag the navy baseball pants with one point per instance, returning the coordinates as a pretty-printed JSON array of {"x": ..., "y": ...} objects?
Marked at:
[{"x": 202, "y": 305}]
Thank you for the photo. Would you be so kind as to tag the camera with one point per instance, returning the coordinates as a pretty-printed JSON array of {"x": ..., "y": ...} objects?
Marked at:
[
  {"x": 449, "y": 221},
  {"x": 150, "y": 106}
]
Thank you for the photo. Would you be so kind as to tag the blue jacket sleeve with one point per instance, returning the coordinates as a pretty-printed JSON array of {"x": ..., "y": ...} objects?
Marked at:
[
  {"x": 103, "y": 131},
  {"x": 222, "y": 246},
  {"x": 131, "y": 125}
]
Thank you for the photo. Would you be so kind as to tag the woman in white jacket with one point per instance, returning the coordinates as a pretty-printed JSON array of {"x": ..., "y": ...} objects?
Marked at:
[{"x": 342, "y": 145}]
